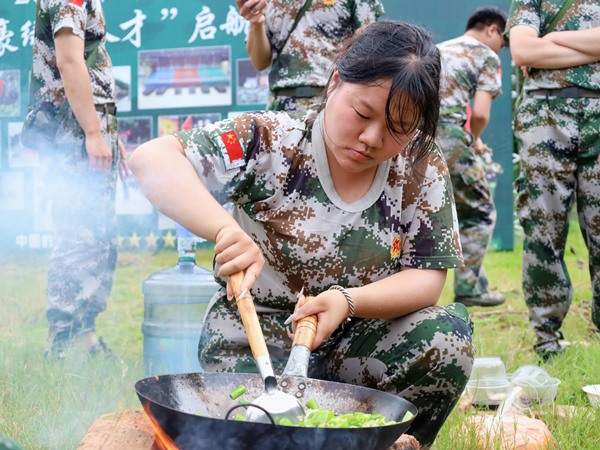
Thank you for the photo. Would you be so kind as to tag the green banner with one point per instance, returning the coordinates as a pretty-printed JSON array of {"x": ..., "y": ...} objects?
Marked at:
[{"x": 179, "y": 65}]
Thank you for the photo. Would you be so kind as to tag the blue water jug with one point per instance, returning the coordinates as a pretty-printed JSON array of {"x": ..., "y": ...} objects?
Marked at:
[{"x": 175, "y": 301}]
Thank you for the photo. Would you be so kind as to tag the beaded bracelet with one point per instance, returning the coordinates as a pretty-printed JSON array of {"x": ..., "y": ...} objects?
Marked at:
[{"x": 348, "y": 299}]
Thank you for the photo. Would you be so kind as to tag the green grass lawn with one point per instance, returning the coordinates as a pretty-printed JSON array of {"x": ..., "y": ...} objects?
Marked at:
[{"x": 50, "y": 406}]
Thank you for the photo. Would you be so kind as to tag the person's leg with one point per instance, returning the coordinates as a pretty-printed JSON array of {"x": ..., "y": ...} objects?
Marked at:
[
  {"x": 224, "y": 346},
  {"x": 476, "y": 215},
  {"x": 425, "y": 357},
  {"x": 84, "y": 255},
  {"x": 588, "y": 193},
  {"x": 546, "y": 137}
]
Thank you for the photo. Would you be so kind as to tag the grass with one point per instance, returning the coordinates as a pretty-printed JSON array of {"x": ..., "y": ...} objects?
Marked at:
[{"x": 50, "y": 406}]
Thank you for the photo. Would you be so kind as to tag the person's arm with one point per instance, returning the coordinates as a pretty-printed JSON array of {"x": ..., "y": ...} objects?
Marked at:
[
  {"x": 480, "y": 116},
  {"x": 398, "y": 295},
  {"x": 169, "y": 181},
  {"x": 528, "y": 49},
  {"x": 585, "y": 41},
  {"x": 257, "y": 43},
  {"x": 78, "y": 89}
]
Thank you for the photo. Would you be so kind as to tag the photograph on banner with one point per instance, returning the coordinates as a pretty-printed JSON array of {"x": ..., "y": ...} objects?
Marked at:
[
  {"x": 252, "y": 86},
  {"x": 134, "y": 131},
  {"x": 18, "y": 154},
  {"x": 10, "y": 93},
  {"x": 174, "y": 123},
  {"x": 184, "y": 77},
  {"x": 122, "y": 76},
  {"x": 130, "y": 199}
]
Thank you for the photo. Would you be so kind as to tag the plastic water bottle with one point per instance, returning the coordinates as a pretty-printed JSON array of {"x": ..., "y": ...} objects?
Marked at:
[{"x": 175, "y": 301}]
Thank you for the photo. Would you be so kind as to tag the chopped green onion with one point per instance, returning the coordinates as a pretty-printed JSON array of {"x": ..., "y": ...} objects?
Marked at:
[
  {"x": 312, "y": 404},
  {"x": 408, "y": 416},
  {"x": 241, "y": 389}
]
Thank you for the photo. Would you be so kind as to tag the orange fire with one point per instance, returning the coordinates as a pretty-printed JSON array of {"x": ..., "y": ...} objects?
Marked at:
[{"x": 162, "y": 440}]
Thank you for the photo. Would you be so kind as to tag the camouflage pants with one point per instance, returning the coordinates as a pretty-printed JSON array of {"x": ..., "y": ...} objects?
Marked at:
[
  {"x": 286, "y": 103},
  {"x": 424, "y": 357},
  {"x": 84, "y": 255},
  {"x": 559, "y": 146},
  {"x": 474, "y": 207}
]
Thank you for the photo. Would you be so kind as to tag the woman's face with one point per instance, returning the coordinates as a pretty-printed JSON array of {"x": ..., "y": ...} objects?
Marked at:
[{"x": 356, "y": 132}]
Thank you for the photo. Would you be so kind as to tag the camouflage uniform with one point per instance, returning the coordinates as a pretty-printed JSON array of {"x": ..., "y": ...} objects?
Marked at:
[
  {"x": 559, "y": 145},
  {"x": 273, "y": 168},
  {"x": 469, "y": 66},
  {"x": 83, "y": 258},
  {"x": 307, "y": 56}
]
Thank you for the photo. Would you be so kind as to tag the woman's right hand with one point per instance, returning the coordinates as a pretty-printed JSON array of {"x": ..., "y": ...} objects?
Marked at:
[{"x": 235, "y": 251}]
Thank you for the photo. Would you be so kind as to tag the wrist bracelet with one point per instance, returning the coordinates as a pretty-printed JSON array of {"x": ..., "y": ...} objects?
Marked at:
[{"x": 348, "y": 299}]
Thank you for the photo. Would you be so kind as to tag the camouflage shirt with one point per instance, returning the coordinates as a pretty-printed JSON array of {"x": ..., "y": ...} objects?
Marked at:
[
  {"x": 538, "y": 14},
  {"x": 467, "y": 66},
  {"x": 308, "y": 54},
  {"x": 272, "y": 166},
  {"x": 86, "y": 19}
]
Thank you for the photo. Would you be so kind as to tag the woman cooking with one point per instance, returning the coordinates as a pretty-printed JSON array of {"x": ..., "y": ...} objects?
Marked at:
[{"x": 349, "y": 202}]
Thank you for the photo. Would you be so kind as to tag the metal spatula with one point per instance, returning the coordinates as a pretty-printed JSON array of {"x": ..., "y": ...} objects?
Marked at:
[{"x": 276, "y": 402}]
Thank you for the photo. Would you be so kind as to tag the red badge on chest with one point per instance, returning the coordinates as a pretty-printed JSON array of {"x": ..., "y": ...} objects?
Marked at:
[{"x": 232, "y": 145}]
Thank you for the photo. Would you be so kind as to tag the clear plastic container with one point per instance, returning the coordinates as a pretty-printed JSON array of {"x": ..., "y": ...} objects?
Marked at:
[
  {"x": 175, "y": 302},
  {"x": 488, "y": 367},
  {"x": 538, "y": 388},
  {"x": 488, "y": 391}
]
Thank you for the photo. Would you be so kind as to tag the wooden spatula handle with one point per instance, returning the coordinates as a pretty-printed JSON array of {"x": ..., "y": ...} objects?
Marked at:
[
  {"x": 306, "y": 330},
  {"x": 247, "y": 310}
]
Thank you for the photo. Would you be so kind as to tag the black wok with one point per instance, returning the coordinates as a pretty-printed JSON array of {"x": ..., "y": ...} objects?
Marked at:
[{"x": 192, "y": 408}]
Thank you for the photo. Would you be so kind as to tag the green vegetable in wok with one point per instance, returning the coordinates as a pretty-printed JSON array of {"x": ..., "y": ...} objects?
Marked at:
[
  {"x": 240, "y": 390},
  {"x": 324, "y": 418},
  {"x": 312, "y": 404}
]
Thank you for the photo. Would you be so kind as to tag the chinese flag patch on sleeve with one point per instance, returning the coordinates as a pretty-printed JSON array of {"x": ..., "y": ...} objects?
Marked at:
[
  {"x": 395, "y": 247},
  {"x": 76, "y": 2},
  {"x": 232, "y": 145}
]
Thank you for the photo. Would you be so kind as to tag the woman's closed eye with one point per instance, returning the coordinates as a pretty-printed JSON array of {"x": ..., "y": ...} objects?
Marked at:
[{"x": 362, "y": 116}]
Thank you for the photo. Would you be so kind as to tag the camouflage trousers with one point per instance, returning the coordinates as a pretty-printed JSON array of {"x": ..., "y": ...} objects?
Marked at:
[
  {"x": 84, "y": 254},
  {"x": 287, "y": 103},
  {"x": 559, "y": 145},
  {"x": 474, "y": 207},
  {"x": 424, "y": 357}
]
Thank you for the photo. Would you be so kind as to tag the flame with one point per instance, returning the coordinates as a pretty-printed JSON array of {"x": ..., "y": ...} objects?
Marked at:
[{"x": 162, "y": 440}]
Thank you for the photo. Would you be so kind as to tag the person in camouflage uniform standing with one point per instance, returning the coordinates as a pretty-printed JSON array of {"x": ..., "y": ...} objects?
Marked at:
[
  {"x": 556, "y": 129},
  {"x": 471, "y": 72},
  {"x": 72, "y": 75},
  {"x": 350, "y": 201},
  {"x": 301, "y": 57}
]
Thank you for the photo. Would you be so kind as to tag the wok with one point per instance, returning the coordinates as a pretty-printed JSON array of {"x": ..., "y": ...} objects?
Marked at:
[{"x": 192, "y": 409}]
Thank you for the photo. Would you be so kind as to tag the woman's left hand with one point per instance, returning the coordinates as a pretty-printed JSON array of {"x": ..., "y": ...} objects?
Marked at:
[{"x": 331, "y": 309}]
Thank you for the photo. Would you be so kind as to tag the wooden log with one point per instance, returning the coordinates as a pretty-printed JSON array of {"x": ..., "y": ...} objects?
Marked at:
[{"x": 129, "y": 430}]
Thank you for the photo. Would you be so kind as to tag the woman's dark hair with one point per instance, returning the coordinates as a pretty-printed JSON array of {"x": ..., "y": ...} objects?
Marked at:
[{"x": 406, "y": 55}]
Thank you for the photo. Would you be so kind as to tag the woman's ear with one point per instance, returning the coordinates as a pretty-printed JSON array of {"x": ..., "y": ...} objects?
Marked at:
[{"x": 334, "y": 81}]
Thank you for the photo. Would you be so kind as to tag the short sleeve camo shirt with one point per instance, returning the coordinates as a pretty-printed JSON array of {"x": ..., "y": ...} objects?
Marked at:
[
  {"x": 538, "y": 14},
  {"x": 307, "y": 57},
  {"x": 467, "y": 66},
  {"x": 86, "y": 19},
  {"x": 272, "y": 167}
]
